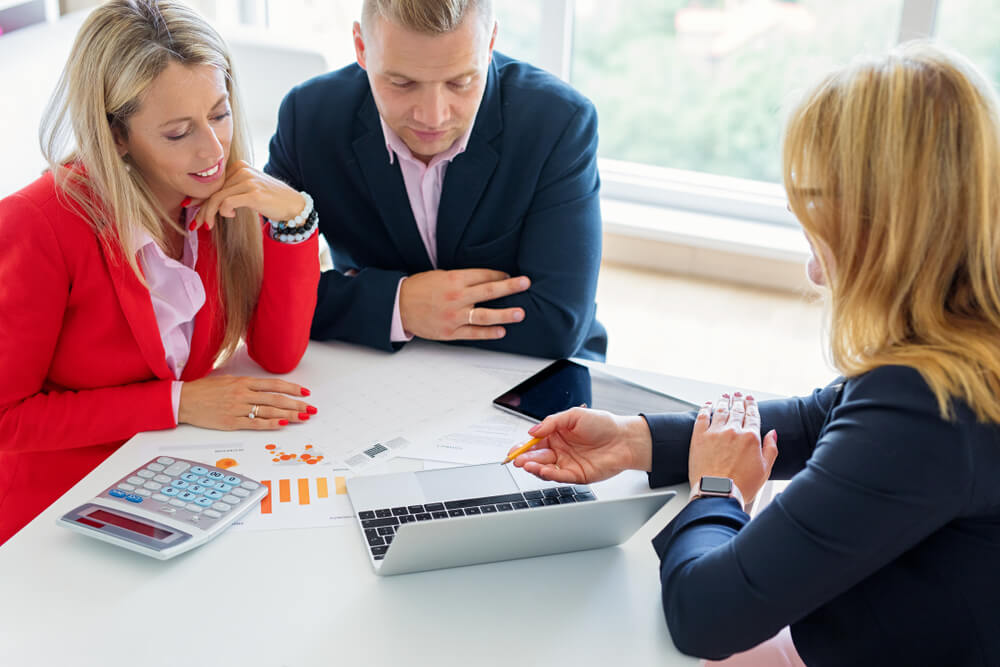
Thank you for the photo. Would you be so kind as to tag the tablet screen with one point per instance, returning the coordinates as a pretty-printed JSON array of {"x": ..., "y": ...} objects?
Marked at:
[{"x": 565, "y": 384}]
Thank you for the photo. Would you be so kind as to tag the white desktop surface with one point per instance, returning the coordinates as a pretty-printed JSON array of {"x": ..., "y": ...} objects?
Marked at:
[{"x": 310, "y": 597}]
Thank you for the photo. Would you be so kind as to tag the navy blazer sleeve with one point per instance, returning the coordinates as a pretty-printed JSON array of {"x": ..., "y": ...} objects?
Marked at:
[
  {"x": 885, "y": 455},
  {"x": 357, "y": 308},
  {"x": 797, "y": 420},
  {"x": 559, "y": 249}
]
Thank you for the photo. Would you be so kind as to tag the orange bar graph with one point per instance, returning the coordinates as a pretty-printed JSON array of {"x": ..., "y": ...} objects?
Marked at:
[
  {"x": 265, "y": 504},
  {"x": 302, "y": 484}
]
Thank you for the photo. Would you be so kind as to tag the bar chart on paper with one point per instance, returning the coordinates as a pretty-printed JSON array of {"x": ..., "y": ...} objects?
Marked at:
[
  {"x": 303, "y": 502},
  {"x": 305, "y": 489}
]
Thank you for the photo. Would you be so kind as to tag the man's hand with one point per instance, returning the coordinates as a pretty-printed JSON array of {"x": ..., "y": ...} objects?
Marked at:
[{"x": 441, "y": 305}]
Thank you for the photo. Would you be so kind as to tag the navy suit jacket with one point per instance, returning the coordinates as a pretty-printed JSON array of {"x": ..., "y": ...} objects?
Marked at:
[
  {"x": 522, "y": 198},
  {"x": 882, "y": 550}
]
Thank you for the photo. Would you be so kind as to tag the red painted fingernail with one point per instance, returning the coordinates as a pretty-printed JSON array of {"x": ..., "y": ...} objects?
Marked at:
[
  {"x": 750, "y": 397},
  {"x": 737, "y": 394},
  {"x": 192, "y": 225},
  {"x": 725, "y": 396},
  {"x": 304, "y": 416},
  {"x": 186, "y": 202},
  {"x": 305, "y": 392},
  {"x": 311, "y": 410},
  {"x": 282, "y": 422}
]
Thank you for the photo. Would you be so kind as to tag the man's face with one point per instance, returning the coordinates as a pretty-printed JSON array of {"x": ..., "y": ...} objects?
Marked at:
[{"x": 426, "y": 87}]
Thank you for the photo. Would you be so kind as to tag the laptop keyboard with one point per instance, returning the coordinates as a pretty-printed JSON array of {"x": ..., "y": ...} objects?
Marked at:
[{"x": 380, "y": 525}]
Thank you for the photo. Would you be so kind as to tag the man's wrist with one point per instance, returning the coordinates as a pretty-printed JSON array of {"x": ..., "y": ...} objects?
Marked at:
[{"x": 397, "y": 331}]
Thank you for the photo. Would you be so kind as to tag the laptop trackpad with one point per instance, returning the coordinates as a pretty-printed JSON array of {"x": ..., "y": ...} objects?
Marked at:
[{"x": 489, "y": 479}]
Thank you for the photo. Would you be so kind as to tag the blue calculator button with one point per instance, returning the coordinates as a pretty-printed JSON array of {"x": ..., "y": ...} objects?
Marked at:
[
  {"x": 117, "y": 493},
  {"x": 169, "y": 491},
  {"x": 215, "y": 474},
  {"x": 198, "y": 470},
  {"x": 132, "y": 498},
  {"x": 204, "y": 502},
  {"x": 189, "y": 477},
  {"x": 197, "y": 488},
  {"x": 222, "y": 486},
  {"x": 212, "y": 493},
  {"x": 206, "y": 481},
  {"x": 179, "y": 483},
  {"x": 187, "y": 495},
  {"x": 232, "y": 480}
]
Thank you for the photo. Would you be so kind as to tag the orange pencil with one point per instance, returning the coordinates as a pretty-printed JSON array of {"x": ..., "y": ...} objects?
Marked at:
[{"x": 520, "y": 450}]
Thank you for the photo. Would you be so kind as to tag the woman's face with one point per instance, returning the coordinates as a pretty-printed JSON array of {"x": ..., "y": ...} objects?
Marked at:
[{"x": 179, "y": 138}]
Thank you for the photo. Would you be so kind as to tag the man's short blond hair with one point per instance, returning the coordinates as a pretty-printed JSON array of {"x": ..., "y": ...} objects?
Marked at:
[{"x": 429, "y": 17}]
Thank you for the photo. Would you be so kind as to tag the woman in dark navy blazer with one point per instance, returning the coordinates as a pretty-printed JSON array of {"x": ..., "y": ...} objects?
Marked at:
[{"x": 883, "y": 549}]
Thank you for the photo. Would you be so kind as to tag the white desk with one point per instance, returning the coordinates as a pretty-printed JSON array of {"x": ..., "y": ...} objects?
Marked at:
[{"x": 309, "y": 596}]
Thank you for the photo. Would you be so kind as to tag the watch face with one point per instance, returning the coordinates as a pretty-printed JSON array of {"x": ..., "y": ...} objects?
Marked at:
[{"x": 716, "y": 485}]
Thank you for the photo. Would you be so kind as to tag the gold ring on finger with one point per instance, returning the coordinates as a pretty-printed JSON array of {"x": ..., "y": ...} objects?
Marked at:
[
  {"x": 470, "y": 315},
  {"x": 253, "y": 411}
]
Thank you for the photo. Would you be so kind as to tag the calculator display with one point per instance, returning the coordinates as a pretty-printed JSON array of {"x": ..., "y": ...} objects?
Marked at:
[{"x": 129, "y": 524}]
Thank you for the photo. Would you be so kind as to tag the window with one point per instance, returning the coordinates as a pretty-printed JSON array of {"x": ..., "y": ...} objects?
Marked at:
[
  {"x": 700, "y": 85},
  {"x": 520, "y": 25},
  {"x": 691, "y": 94},
  {"x": 973, "y": 27}
]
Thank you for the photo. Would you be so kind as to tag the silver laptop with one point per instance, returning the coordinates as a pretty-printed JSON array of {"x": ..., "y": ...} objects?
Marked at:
[{"x": 431, "y": 519}]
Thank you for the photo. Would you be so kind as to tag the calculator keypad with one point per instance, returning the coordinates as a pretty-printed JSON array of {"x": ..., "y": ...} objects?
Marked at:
[{"x": 195, "y": 493}]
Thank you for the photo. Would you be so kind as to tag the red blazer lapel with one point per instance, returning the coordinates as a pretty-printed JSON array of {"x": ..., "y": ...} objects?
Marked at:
[{"x": 138, "y": 308}]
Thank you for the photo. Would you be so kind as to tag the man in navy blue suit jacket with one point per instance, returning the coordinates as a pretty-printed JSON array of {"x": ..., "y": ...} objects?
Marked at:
[{"x": 507, "y": 258}]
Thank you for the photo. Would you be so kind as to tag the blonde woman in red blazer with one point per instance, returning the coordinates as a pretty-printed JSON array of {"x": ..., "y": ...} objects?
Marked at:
[{"x": 148, "y": 182}]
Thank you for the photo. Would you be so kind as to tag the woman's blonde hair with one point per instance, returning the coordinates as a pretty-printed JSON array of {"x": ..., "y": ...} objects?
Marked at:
[
  {"x": 120, "y": 49},
  {"x": 893, "y": 166}
]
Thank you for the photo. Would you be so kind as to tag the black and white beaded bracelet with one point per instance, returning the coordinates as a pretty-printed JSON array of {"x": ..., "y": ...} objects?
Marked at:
[{"x": 299, "y": 228}]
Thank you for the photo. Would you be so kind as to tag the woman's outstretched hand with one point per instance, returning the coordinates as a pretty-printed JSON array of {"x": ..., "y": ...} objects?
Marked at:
[{"x": 580, "y": 446}]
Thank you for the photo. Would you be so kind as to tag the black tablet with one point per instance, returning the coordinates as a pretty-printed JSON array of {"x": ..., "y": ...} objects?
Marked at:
[{"x": 564, "y": 384}]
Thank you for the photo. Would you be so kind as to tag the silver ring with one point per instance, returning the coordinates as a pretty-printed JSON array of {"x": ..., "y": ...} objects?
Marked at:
[
  {"x": 470, "y": 316},
  {"x": 253, "y": 411}
]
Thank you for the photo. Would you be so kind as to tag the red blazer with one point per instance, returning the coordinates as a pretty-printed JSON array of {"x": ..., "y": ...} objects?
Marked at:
[{"x": 82, "y": 367}]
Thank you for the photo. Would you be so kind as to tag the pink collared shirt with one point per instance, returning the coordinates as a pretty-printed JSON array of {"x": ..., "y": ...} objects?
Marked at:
[
  {"x": 423, "y": 188},
  {"x": 177, "y": 294}
]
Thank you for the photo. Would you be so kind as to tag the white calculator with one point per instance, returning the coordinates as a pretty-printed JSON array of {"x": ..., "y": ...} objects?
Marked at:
[{"x": 166, "y": 507}]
